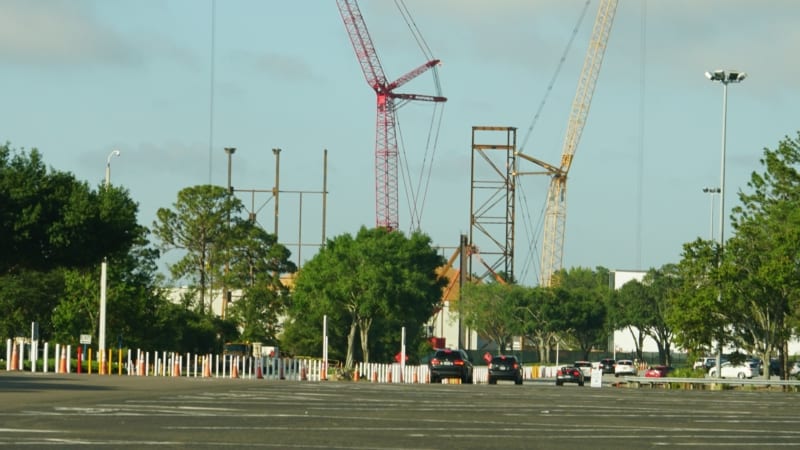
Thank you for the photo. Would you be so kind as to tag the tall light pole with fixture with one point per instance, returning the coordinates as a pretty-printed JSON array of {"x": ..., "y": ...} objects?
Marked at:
[
  {"x": 711, "y": 192},
  {"x": 226, "y": 295},
  {"x": 103, "y": 274},
  {"x": 725, "y": 77}
]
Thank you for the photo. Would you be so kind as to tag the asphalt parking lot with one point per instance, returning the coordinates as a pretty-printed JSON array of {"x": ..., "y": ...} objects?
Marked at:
[{"x": 78, "y": 411}]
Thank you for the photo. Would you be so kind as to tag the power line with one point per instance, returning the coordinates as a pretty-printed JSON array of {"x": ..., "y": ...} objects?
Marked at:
[{"x": 211, "y": 92}]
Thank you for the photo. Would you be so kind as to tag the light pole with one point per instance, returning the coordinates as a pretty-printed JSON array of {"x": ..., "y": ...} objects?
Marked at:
[
  {"x": 103, "y": 271},
  {"x": 711, "y": 191},
  {"x": 725, "y": 77},
  {"x": 225, "y": 293}
]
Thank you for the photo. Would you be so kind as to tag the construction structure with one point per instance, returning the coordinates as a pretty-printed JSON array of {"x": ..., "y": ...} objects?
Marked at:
[
  {"x": 386, "y": 150},
  {"x": 492, "y": 198},
  {"x": 552, "y": 253}
]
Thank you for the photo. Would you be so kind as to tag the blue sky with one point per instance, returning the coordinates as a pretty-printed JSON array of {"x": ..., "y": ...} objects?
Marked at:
[{"x": 81, "y": 78}]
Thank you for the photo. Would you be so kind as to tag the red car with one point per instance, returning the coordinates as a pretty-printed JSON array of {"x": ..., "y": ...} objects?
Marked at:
[{"x": 658, "y": 371}]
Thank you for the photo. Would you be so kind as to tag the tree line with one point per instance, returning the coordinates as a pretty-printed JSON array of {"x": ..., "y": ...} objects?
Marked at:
[
  {"x": 743, "y": 293},
  {"x": 55, "y": 230}
]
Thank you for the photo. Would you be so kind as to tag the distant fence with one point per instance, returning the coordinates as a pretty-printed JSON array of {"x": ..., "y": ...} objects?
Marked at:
[
  {"x": 708, "y": 382},
  {"x": 132, "y": 362}
]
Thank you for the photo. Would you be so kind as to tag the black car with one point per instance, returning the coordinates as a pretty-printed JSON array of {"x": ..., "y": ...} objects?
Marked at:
[
  {"x": 607, "y": 365},
  {"x": 569, "y": 374},
  {"x": 505, "y": 367},
  {"x": 448, "y": 363}
]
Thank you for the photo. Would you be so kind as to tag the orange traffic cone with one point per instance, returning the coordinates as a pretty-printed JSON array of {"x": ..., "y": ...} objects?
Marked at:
[
  {"x": 206, "y": 367},
  {"x": 259, "y": 374},
  {"x": 303, "y": 374},
  {"x": 235, "y": 368},
  {"x": 389, "y": 377},
  {"x": 374, "y": 376},
  {"x": 14, "y": 357},
  {"x": 63, "y": 364},
  {"x": 416, "y": 378},
  {"x": 355, "y": 375}
]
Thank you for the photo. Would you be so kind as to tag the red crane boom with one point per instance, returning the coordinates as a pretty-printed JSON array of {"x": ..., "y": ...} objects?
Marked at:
[{"x": 386, "y": 154}]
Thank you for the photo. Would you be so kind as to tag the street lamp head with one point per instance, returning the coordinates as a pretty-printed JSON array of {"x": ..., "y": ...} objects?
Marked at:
[
  {"x": 230, "y": 150},
  {"x": 717, "y": 75},
  {"x": 111, "y": 155},
  {"x": 736, "y": 77},
  {"x": 725, "y": 77}
]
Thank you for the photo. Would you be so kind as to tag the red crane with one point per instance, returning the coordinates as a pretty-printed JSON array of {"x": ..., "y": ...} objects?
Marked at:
[{"x": 386, "y": 154}]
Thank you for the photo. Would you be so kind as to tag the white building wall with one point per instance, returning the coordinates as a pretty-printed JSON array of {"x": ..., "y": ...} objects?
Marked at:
[{"x": 623, "y": 340}]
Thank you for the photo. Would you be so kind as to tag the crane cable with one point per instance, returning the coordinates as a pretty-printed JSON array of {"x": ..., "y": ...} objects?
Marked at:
[
  {"x": 417, "y": 195},
  {"x": 535, "y": 231},
  {"x": 560, "y": 65}
]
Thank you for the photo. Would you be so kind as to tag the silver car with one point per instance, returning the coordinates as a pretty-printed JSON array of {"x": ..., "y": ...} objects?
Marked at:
[
  {"x": 747, "y": 369},
  {"x": 624, "y": 367}
]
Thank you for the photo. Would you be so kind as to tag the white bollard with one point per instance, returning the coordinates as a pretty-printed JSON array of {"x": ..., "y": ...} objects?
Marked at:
[
  {"x": 69, "y": 355},
  {"x": 34, "y": 355},
  {"x": 46, "y": 351}
]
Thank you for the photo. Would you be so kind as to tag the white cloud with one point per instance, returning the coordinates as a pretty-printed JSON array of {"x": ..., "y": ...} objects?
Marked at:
[{"x": 58, "y": 32}]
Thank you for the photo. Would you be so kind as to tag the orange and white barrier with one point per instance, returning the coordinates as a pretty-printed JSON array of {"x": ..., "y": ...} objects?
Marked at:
[{"x": 14, "y": 357}]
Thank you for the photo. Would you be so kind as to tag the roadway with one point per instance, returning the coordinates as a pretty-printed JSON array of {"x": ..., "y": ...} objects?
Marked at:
[{"x": 79, "y": 411}]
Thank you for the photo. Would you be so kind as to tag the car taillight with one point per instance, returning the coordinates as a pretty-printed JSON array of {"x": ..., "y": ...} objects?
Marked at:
[
  {"x": 435, "y": 362},
  {"x": 458, "y": 362},
  {"x": 516, "y": 366},
  {"x": 558, "y": 372}
]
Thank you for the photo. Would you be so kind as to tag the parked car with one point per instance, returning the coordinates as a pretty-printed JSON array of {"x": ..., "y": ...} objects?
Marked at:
[
  {"x": 707, "y": 362},
  {"x": 624, "y": 367},
  {"x": 585, "y": 366},
  {"x": 607, "y": 365},
  {"x": 449, "y": 363},
  {"x": 505, "y": 367},
  {"x": 729, "y": 370},
  {"x": 794, "y": 369},
  {"x": 569, "y": 374},
  {"x": 658, "y": 371},
  {"x": 774, "y": 367}
]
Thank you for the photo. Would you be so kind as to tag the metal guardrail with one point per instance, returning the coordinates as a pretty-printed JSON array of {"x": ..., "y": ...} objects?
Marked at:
[{"x": 706, "y": 381}]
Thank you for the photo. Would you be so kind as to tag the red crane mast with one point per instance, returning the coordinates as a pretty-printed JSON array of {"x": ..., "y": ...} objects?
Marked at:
[{"x": 386, "y": 153}]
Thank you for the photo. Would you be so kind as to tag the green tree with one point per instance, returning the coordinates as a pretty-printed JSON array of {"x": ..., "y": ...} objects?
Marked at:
[
  {"x": 541, "y": 322},
  {"x": 662, "y": 285},
  {"x": 257, "y": 262},
  {"x": 493, "y": 310},
  {"x": 54, "y": 230},
  {"x": 51, "y": 220},
  {"x": 762, "y": 269},
  {"x": 696, "y": 312},
  {"x": 378, "y": 276},
  {"x": 29, "y": 296},
  {"x": 198, "y": 225},
  {"x": 584, "y": 293},
  {"x": 630, "y": 308}
]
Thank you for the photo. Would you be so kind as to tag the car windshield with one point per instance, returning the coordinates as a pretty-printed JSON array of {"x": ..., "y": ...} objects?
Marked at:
[
  {"x": 503, "y": 360},
  {"x": 448, "y": 355}
]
